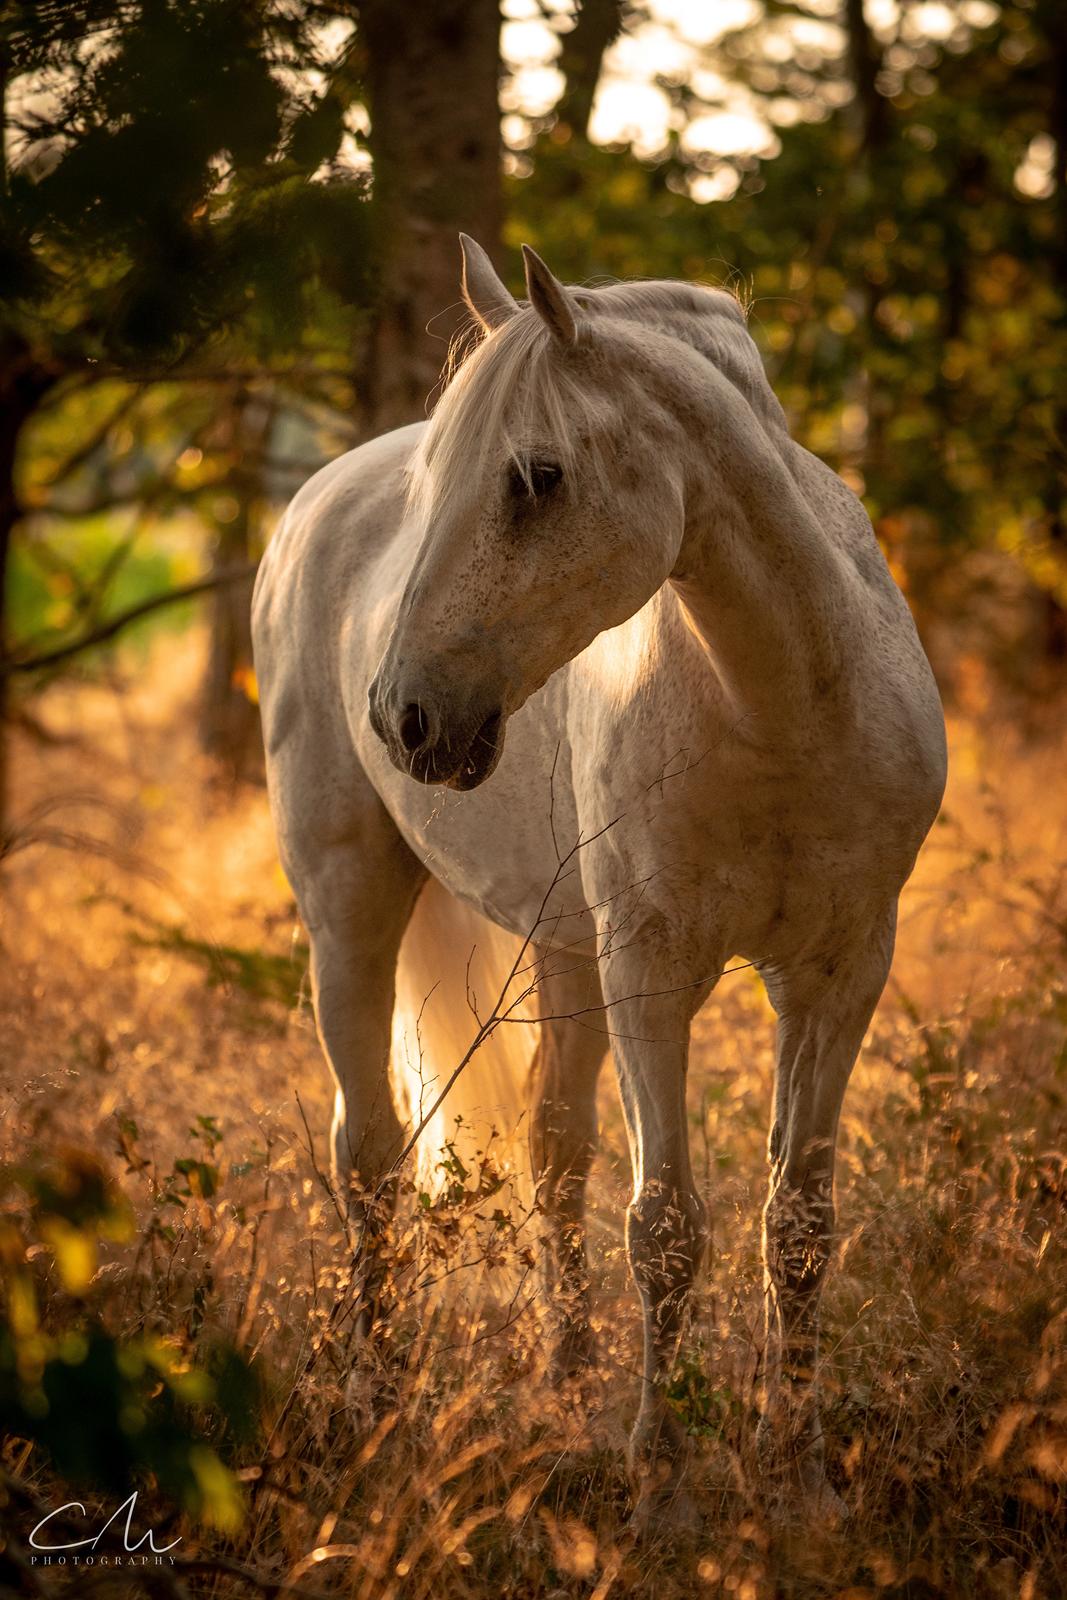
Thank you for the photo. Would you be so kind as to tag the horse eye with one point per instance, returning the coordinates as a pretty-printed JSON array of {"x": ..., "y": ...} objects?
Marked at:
[{"x": 537, "y": 479}]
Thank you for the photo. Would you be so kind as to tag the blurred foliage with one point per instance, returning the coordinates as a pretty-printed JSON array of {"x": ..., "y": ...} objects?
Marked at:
[
  {"x": 909, "y": 296},
  {"x": 174, "y": 225},
  {"x": 111, "y": 1412},
  {"x": 259, "y": 974},
  {"x": 56, "y": 590},
  {"x": 161, "y": 195}
]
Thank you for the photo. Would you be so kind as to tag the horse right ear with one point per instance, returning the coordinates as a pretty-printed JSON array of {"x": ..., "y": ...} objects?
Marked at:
[
  {"x": 485, "y": 295},
  {"x": 549, "y": 298}
]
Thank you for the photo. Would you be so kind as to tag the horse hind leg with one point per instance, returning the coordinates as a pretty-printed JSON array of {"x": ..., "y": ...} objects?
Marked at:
[{"x": 563, "y": 1136}]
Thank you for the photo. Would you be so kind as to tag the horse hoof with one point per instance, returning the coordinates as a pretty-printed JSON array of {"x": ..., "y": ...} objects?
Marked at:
[
  {"x": 827, "y": 1506},
  {"x": 664, "y": 1512},
  {"x": 573, "y": 1357},
  {"x": 794, "y": 1481},
  {"x": 363, "y": 1394}
]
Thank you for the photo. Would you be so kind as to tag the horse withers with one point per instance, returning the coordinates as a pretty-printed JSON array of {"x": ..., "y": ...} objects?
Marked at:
[{"x": 600, "y": 657}]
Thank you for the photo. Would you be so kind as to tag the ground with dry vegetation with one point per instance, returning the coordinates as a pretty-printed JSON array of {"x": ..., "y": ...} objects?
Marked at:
[{"x": 164, "y": 1119}]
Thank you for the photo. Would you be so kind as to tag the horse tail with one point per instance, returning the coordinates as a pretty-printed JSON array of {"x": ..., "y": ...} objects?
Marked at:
[{"x": 455, "y": 963}]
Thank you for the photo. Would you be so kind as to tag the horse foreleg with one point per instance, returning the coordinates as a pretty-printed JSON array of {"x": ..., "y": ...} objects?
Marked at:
[
  {"x": 571, "y": 1046},
  {"x": 823, "y": 1009},
  {"x": 649, "y": 1012},
  {"x": 356, "y": 897}
]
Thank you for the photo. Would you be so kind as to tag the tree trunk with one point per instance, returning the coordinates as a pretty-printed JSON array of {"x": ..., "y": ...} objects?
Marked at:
[
  {"x": 1049, "y": 16},
  {"x": 865, "y": 60},
  {"x": 229, "y": 719},
  {"x": 432, "y": 78},
  {"x": 596, "y": 27},
  {"x": 23, "y": 386},
  {"x": 869, "y": 113}
]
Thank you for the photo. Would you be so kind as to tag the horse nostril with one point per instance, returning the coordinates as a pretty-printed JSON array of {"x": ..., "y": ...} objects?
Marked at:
[
  {"x": 374, "y": 711},
  {"x": 412, "y": 728}
]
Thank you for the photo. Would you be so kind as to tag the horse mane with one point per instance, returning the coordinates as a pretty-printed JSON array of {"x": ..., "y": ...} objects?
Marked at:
[{"x": 513, "y": 385}]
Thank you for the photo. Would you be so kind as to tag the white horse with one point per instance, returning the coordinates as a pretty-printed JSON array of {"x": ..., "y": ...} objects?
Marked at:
[{"x": 602, "y": 599}]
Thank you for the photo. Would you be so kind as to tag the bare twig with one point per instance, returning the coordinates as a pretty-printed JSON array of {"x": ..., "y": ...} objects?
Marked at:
[{"x": 500, "y": 1010}]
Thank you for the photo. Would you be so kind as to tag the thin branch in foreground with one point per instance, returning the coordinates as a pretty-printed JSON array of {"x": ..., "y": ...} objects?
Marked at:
[
  {"x": 222, "y": 1565},
  {"x": 502, "y": 1009}
]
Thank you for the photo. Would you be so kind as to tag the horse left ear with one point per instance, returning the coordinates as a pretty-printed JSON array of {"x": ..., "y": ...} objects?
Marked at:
[
  {"x": 483, "y": 291},
  {"x": 549, "y": 298}
]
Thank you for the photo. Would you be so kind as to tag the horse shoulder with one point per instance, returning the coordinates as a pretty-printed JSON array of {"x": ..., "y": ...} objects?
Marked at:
[
  {"x": 340, "y": 517},
  {"x": 337, "y": 526},
  {"x": 310, "y": 590}
]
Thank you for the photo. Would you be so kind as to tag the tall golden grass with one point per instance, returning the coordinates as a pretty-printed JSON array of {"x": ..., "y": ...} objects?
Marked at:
[{"x": 154, "y": 1024}]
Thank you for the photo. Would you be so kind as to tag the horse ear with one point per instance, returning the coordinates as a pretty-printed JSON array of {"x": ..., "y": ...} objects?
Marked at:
[
  {"x": 549, "y": 298},
  {"x": 483, "y": 291}
]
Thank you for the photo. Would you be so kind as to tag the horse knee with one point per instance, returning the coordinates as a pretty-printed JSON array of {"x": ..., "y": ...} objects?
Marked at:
[
  {"x": 797, "y": 1238},
  {"x": 666, "y": 1236},
  {"x": 366, "y": 1137},
  {"x": 561, "y": 1177},
  {"x": 353, "y": 1010}
]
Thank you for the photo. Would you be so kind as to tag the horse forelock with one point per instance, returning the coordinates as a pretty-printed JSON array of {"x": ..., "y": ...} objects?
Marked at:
[
  {"x": 514, "y": 390},
  {"x": 518, "y": 389}
]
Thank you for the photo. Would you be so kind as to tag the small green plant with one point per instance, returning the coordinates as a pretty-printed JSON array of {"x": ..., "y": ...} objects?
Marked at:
[{"x": 707, "y": 1410}]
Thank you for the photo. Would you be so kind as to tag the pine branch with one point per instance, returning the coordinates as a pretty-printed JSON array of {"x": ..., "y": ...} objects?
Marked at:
[{"x": 114, "y": 625}]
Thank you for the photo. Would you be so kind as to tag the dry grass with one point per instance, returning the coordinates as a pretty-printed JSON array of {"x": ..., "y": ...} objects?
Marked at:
[{"x": 170, "y": 997}]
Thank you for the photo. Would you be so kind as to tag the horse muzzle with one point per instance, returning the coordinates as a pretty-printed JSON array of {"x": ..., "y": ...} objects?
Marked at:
[{"x": 432, "y": 743}]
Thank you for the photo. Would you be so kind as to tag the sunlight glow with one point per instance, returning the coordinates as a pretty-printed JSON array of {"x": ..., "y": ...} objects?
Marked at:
[
  {"x": 634, "y": 113},
  {"x": 1034, "y": 174},
  {"x": 882, "y": 17},
  {"x": 635, "y": 105},
  {"x": 931, "y": 20},
  {"x": 533, "y": 90},
  {"x": 828, "y": 38},
  {"x": 722, "y": 184},
  {"x": 530, "y": 43},
  {"x": 652, "y": 51},
  {"x": 702, "y": 23},
  {"x": 619, "y": 659},
  {"x": 730, "y": 133},
  {"x": 978, "y": 13}
]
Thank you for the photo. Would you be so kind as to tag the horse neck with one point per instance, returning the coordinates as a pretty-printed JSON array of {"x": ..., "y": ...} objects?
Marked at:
[{"x": 765, "y": 589}]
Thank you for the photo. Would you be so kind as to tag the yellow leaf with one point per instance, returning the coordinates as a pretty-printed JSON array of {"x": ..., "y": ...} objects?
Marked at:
[
  {"x": 75, "y": 1253},
  {"x": 244, "y": 678},
  {"x": 223, "y": 1506}
]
